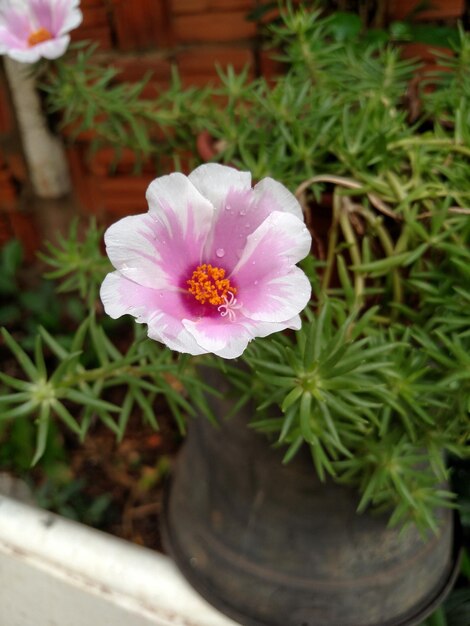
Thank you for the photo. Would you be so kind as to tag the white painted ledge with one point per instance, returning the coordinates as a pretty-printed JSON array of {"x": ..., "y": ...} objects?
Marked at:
[{"x": 54, "y": 572}]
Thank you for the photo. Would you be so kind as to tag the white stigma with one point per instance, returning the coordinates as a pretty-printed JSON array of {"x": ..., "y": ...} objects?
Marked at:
[{"x": 229, "y": 307}]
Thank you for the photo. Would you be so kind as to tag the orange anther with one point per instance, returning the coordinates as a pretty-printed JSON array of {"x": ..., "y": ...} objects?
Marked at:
[
  {"x": 208, "y": 284},
  {"x": 40, "y": 35}
]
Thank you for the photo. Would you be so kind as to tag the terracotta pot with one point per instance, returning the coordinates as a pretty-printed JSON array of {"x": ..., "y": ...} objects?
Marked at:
[{"x": 270, "y": 545}]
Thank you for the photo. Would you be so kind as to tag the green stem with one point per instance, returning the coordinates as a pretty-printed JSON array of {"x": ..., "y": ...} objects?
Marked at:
[
  {"x": 332, "y": 241},
  {"x": 395, "y": 186},
  {"x": 445, "y": 143},
  {"x": 387, "y": 245},
  {"x": 354, "y": 250},
  {"x": 102, "y": 373}
]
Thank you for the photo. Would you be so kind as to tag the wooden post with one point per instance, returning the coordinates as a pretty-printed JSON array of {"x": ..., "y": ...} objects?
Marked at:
[{"x": 44, "y": 152}]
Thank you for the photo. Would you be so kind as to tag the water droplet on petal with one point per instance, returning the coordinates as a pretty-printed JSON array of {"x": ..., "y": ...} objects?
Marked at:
[
  {"x": 220, "y": 252},
  {"x": 228, "y": 207},
  {"x": 247, "y": 226},
  {"x": 243, "y": 211}
]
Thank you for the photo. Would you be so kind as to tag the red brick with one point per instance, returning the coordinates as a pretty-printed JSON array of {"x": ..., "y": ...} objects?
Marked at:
[
  {"x": 97, "y": 34},
  {"x": 82, "y": 183},
  {"x": 84, "y": 4},
  {"x": 125, "y": 194},
  {"x": 269, "y": 66},
  {"x": 24, "y": 227},
  {"x": 423, "y": 52},
  {"x": 204, "y": 6},
  {"x": 141, "y": 24},
  {"x": 134, "y": 68},
  {"x": 213, "y": 27},
  {"x": 6, "y": 118},
  {"x": 95, "y": 15},
  {"x": 438, "y": 10},
  {"x": 197, "y": 65},
  {"x": 108, "y": 162}
]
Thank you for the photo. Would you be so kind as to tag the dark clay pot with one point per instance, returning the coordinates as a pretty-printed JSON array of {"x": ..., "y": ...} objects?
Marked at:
[{"x": 271, "y": 545}]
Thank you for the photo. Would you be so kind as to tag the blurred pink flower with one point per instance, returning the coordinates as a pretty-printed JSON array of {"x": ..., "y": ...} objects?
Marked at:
[
  {"x": 31, "y": 29},
  {"x": 212, "y": 264}
]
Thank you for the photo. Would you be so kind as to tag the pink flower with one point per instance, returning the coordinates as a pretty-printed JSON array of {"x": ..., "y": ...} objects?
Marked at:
[
  {"x": 212, "y": 264},
  {"x": 33, "y": 29}
]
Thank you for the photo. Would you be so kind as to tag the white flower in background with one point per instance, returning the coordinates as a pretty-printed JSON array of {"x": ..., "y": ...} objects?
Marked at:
[{"x": 37, "y": 28}]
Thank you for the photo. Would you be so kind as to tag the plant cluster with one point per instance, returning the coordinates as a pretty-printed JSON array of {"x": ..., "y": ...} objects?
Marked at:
[
  {"x": 87, "y": 376},
  {"x": 88, "y": 95},
  {"x": 376, "y": 383}
]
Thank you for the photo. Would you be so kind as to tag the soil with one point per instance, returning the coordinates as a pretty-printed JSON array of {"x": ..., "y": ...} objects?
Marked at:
[{"x": 129, "y": 475}]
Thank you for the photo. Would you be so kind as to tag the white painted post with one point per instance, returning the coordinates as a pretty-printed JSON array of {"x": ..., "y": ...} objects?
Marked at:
[
  {"x": 44, "y": 152},
  {"x": 54, "y": 572}
]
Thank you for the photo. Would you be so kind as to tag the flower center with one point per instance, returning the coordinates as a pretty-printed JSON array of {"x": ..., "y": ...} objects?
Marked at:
[
  {"x": 208, "y": 284},
  {"x": 38, "y": 36}
]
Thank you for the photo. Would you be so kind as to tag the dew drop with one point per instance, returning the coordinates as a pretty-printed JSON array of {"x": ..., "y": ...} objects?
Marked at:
[
  {"x": 220, "y": 252},
  {"x": 228, "y": 207},
  {"x": 247, "y": 226},
  {"x": 243, "y": 211}
]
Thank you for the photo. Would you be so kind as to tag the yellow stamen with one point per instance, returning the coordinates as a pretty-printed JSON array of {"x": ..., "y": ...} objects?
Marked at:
[
  {"x": 208, "y": 284},
  {"x": 40, "y": 35}
]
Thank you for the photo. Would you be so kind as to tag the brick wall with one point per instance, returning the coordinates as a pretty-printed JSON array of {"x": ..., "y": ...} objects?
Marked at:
[
  {"x": 149, "y": 36},
  {"x": 142, "y": 36},
  {"x": 15, "y": 220}
]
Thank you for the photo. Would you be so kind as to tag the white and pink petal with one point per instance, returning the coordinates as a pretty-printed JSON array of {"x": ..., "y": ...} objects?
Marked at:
[
  {"x": 121, "y": 296},
  {"x": 175, "y": 200},
  {"x": 278, "y": 298},
  {"x": 216, "y": 336},
  {"x": 149, "y": 252},
  {"x": 215, "y": 182},
  {"x": 241, "y": 213},
  {"x": 161, "y": 310},
  {"x": 270, "y": 195},
  {"x": 270, "y": 287},
  {"x": 52, "y": 49},
  {"x": 134, "y": 246},
  {"x": 278, "y": 244},
  {"x": 172, "y": 332}
]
